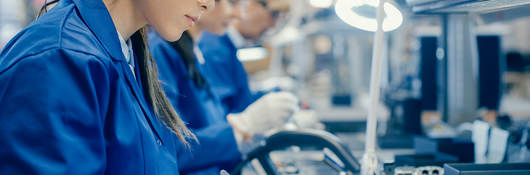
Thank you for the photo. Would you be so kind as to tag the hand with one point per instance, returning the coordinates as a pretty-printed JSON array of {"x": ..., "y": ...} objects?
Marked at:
[
  {"x": 307, "y": 119},
  {"x": 270, "y": 111}
]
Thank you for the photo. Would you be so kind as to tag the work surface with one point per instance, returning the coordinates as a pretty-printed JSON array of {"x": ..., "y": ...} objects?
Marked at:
[{"x": 309, "y": 162}]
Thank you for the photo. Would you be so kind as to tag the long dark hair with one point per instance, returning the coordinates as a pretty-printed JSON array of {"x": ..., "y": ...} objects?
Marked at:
[
  {"x": 184, "y": 46},
  {"x": 154, "y": 92},
  {"x": 151, "y": 85}
]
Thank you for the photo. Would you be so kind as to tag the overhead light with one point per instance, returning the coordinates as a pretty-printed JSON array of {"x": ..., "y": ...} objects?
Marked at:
[
  {"x": 346, "y": 10},
  {"x": 288, "y": 34},
  {"x": 251, "y": 54},
  {"x": 321, "y": 3}
]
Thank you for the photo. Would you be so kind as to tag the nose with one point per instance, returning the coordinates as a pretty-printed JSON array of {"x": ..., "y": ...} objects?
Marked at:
[{"x": 206, "y": 5}]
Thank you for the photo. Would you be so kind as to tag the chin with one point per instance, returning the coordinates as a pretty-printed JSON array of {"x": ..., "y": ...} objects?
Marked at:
[
  {"x": 171, "y": 35},
  {"x": 219, "y": 32},
  {"x": 174, "y": 37}
]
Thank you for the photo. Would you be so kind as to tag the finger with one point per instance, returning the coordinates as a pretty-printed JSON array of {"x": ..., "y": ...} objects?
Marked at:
[{"x": 285, "y": 96}]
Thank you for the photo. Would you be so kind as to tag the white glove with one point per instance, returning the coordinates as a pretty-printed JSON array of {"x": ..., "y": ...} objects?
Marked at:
[
  {"x": 270, "y": 111},
  {"x": 307, "y": 119}
]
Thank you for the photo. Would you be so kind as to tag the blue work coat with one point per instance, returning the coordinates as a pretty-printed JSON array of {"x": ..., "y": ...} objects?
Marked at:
[
  {"x": 225, "y": 73},
  {"x": 69, "y": 103},
  {"x": 200, "y": 109}
]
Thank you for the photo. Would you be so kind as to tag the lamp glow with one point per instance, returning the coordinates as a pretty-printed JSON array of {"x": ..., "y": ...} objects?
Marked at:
[
  {"x": 321, "y": 3},
  {"x": 393, "y": 17},
  {"x": 251, "y": 54}
]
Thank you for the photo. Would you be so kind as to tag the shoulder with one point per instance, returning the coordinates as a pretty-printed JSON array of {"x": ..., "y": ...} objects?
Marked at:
[
  {"x": 60, "y": 32},
  {"x": 217, "y": 48},
  {"x": 212, "y": 42},
  {"x": 56, "y": 60}
]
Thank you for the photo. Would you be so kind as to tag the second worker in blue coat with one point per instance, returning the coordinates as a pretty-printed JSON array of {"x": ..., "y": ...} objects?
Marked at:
[
  {"x": 191, "y": 93},
  {"x": 228, "y": 77}
]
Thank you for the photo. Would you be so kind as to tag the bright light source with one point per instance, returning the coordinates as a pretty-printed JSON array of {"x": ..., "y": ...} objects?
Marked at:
[
  {"x": 251, "y": 54},
  {"x": 321, "y": 3},
  {"x": 286, "y": 35},
  {"x": 322, "y": 44},
  {"x": 345, "y": 11}
]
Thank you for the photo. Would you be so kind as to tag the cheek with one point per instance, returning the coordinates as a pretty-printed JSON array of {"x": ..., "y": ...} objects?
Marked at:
[
  {"x": 166, "y": 17},
  {"x": 168, "y": 10},
  {"x": 169, "y": 28}
]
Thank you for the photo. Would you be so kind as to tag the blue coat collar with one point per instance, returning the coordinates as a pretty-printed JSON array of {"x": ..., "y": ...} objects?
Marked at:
[{"x": 98, "y": 19}]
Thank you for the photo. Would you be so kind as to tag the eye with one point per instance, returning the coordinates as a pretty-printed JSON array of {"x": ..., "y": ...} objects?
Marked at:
[{"x": 263, "y": 3}]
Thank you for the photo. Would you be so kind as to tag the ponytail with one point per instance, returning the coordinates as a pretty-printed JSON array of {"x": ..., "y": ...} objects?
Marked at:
[{"x": 155, "y": 94}]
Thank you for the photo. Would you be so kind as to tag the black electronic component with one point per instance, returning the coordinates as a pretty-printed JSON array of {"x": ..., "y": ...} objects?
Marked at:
[
  {"x": 487, "y": 169},
  {"x": 303, "y": 138}
]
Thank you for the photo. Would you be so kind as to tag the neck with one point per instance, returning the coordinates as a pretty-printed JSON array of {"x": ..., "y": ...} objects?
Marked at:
[
  {"x": 125, "y": 17},
  {"x": 195, "y": 32}
]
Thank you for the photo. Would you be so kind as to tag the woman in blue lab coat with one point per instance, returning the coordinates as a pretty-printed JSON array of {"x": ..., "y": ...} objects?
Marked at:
[
  {"x": 226, "y": 73},
  {"x": 190, "y": 92},
  {"x": 79, "y": 92}
]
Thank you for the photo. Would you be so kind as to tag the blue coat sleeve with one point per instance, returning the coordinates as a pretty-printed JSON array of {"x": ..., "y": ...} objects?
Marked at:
[
  {"x": 244, "y": 96},
  {"x": 52, "y": 108}
]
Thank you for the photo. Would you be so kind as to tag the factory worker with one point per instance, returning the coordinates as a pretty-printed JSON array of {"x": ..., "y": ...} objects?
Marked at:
[
  {"x": 190, "y": 92},
  {"x": 226, "y": 73},
  {"x": 79, "y": 92}
]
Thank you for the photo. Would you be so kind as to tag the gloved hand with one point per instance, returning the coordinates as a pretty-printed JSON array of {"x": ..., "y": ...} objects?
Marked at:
[
  {"x": 307, "y": 119},
  {"x": 270, "y": 111}
]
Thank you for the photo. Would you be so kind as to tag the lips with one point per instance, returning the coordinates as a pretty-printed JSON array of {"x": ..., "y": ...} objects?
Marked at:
[{"x": 191, "y": 20}]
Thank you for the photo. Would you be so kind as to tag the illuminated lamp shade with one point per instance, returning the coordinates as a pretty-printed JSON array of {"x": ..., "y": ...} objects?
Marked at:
[
  {"x": 321, "y": 3},
  {"x": 345, "y": 11},
  {"x": 251, "y": 54}
]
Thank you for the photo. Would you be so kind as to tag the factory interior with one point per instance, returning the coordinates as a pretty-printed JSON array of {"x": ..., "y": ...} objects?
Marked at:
[{"x": 418, "y": 87}]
